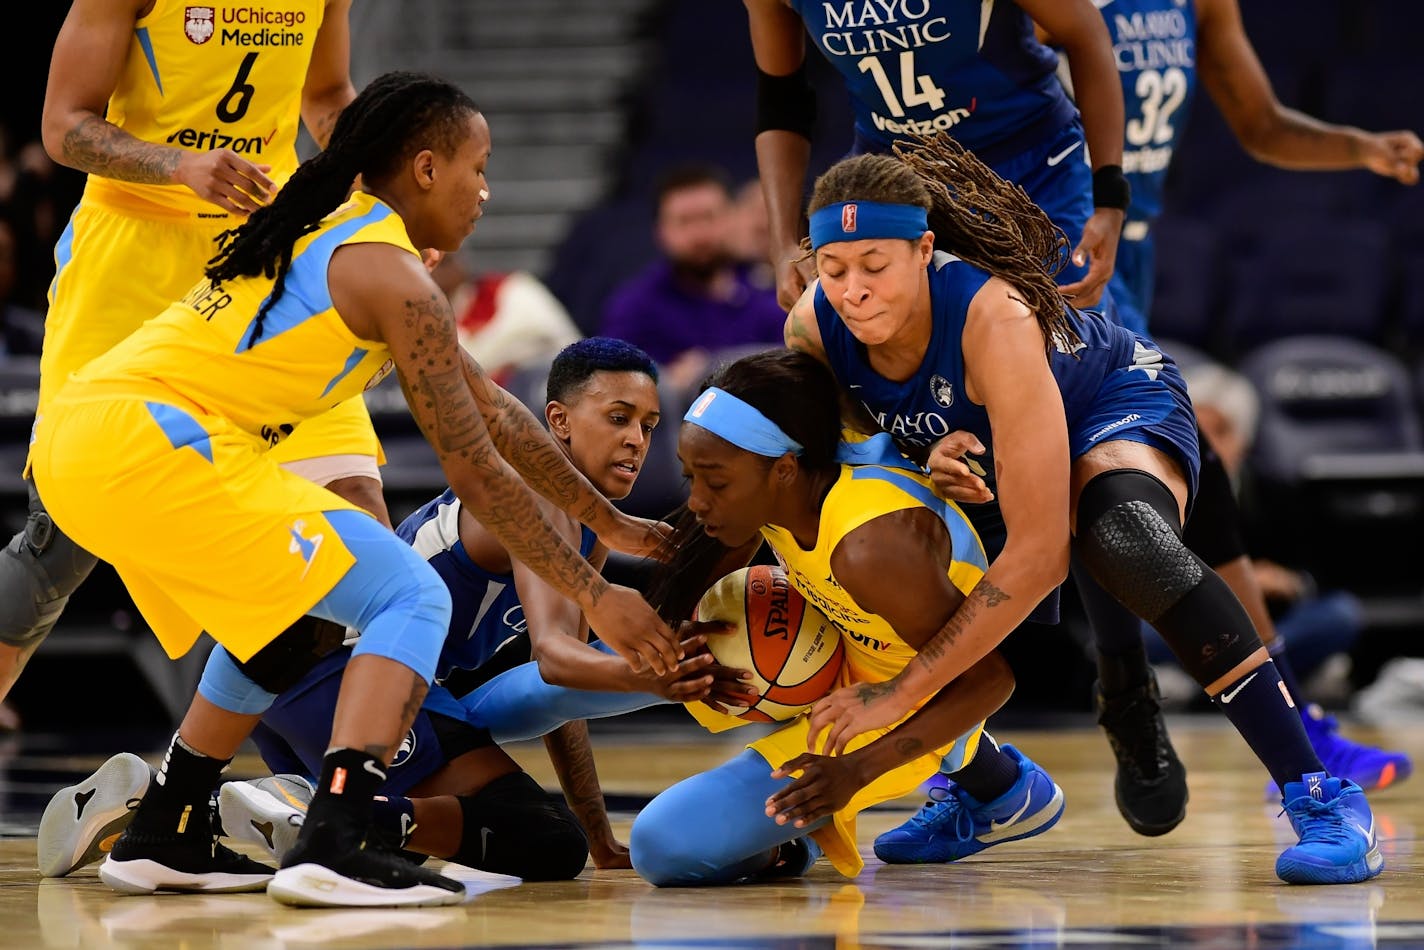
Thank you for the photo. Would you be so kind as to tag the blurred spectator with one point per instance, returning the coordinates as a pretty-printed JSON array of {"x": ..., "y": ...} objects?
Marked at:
[
  {"x": 1313, "y": 625},
  {"x": 21, "y": 328},
  {"x": 505, "y": 320},
  {"x": 699, "y": 297},
  {"x": 37, "y": 197},
  {"x": 751, "y": 234}
]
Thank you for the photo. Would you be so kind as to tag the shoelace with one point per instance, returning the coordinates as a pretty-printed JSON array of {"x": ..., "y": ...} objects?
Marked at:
[
  {"x": 932, "y": 815},
  {"x": 1320, "y": 824},
  {"x": 1144, "y": 735}
]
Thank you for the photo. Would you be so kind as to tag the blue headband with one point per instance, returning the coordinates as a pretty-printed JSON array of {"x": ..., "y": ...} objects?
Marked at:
[
  {"x": 726, "y": 416},
  {"x": 861, "y": 220}
]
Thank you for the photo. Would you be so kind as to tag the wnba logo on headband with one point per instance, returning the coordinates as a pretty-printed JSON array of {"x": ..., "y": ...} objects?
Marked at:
[
  {"x": 866, "y": 220},
  {"x": 700, "y": 406}
]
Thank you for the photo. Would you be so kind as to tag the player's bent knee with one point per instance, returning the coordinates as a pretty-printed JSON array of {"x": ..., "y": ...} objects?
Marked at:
[
  {"x": 665, "y": 850},
  {"x": 1129, "y": 540},
  {"x": 512, "y": 826},
  {"x": 39, "y": 569}
]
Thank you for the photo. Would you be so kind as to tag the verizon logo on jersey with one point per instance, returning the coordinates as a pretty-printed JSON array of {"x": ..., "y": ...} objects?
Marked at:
[{"x": 207, "y": 141}]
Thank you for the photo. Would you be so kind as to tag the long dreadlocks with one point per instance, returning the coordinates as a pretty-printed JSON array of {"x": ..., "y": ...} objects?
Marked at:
[
  {"x": 397, "y": 115},
  {"x": 974, "y": 214}
]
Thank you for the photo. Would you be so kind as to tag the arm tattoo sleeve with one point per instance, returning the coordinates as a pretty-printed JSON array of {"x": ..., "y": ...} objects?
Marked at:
[
  {"x": 439, "y": 396},
  {"x": 527, "y": 446},
  {"x": 101, "y": 148},
  {"x": 984, "y": 596},
  {"x": 572, "y": 757}
]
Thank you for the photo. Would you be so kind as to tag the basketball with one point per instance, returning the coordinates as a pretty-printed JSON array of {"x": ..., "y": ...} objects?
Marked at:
[{"x": 792, "y": 650}]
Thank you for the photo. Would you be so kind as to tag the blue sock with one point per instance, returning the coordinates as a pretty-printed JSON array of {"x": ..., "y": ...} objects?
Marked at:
[
  {"x": 712, "y": 828},
  {"x": 1258, "y": 706},
  {"x": 517, "y": 704}
]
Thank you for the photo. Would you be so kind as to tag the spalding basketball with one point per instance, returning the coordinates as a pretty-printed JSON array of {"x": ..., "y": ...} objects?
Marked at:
[{"x": 792, "y": 650}]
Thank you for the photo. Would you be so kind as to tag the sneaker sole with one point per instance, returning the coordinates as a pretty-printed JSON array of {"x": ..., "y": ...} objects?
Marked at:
[
  {"x": 312, "y": 885},
  {"x": 1303, "y": 872},
  {"x": 142, "y": 876},
  {"x": 1142, "y": 828},
  {"x": 70, "y": 837},
  {"x": 1035, "y": 824},
  {"x": 243, "y": 808}
]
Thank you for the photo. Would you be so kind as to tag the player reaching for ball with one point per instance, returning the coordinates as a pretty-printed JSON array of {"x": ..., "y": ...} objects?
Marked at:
[{"x": 762, "y": 449}]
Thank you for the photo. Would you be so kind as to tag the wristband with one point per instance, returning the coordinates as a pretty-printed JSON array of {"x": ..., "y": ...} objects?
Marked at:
[{"x": 1111, "y": 188}]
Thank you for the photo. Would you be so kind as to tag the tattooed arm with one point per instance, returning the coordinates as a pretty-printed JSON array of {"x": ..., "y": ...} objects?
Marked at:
[
  {"x": 827, "y": 783},
  {"x": 915, "y": 544},
  {"x": 328, "y": 87},
  {"x": 1006, "y": 371},
  {"x": 572, "y": 756},
  {"x": 529, "y": 447},
  {"x": 385, "y": 294},
  {"x": 88, "y": 59}
]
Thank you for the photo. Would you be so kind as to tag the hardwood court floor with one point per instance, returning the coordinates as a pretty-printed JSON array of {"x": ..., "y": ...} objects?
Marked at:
[{"x": 1088, "y": 882}]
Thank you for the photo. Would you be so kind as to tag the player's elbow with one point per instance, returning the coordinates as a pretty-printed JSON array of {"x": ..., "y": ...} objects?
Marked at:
[
  {"x": 55, "y": 126},
  {"x": 551, "y": 670}
]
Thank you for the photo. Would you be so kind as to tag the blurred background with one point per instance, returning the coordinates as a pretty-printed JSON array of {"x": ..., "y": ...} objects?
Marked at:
[{"x": 623, "y": 141}]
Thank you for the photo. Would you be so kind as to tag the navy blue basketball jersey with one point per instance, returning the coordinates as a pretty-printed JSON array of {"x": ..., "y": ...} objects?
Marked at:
[
  {"x": 916, "y": 67},
  {"x": 486, "y": 608},
  {"x": 1155, "y": 45},
  {"x": 932, "y": 403}
]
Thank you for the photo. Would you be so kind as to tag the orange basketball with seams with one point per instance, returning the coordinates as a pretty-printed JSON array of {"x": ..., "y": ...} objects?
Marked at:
[{"x": 793, "y": 651}]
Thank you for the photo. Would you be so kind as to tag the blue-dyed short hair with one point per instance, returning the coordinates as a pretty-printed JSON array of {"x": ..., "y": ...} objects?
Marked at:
[{"x": 578, "y": 361}]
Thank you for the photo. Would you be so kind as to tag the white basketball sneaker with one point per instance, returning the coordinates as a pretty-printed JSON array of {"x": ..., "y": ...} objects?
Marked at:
[
  {"x": 267, "y": 812},
  {"x": 81, "y": 822}
]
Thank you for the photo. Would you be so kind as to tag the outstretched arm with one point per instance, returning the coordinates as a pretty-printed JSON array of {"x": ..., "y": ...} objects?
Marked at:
[
  {"x": 825, "y": 784},
  {"x": 572, "y": 756},
  {"x": 1078, "y": 28},
  {"x": 1273, "y": 133},
  {"x": 1007, "y": 372},
  {"x": 528, "y": 446},
  {"x": 89, "y": 56},
  {"x": 386, "y": 294},
  {"x": 783, "y": 154},
  {"x": 915, "y": 544}
]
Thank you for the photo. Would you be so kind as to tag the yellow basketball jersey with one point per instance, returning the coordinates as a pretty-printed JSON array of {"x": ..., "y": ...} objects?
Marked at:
[
  {"x": 874, "y": 651},
  {"x": 210, "y": 77},
  {"x": 206, "y": 349}
]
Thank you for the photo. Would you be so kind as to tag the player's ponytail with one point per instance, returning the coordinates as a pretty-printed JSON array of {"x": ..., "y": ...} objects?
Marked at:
[
  {"x": 974, "y": 214},
  {"x": 800, "y": 395},
  {"x": 397, "y": 115}
]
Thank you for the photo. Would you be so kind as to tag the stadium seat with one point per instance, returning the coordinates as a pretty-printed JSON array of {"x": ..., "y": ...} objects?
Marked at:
[
  {"x": 1188, "y": 283},
  {"x": 1338, "y": 462},
  {"x": 1317, "y": 276}
]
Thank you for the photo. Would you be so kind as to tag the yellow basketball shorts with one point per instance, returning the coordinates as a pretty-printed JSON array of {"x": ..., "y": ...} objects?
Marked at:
[
  {"x": 206, "y": 530},
  {"x": 837, "y": 839},
  {"x": 113, "y": 271}
]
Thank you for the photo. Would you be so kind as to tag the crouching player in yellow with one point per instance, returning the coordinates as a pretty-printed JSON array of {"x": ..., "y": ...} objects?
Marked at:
[{"x": 763, "y": 451}]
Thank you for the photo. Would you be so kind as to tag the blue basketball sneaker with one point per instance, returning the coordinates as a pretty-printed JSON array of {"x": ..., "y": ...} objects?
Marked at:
[
  {"x": 1337, "y": 833},
  {"x": 1364, "y": 765},
  {"x": 954, "y": 825}
]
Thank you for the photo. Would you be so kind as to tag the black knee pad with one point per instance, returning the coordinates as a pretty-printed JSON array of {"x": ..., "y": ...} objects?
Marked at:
[
  {"x": 512, "y": 826},
  {"x": 289, "y": 656},
  {"x": 1129, "y": 540},
  {"x": 39, "y": 569},
  {"x": 1209, "y": 631},
  {"x": 1213, "y": 529}
]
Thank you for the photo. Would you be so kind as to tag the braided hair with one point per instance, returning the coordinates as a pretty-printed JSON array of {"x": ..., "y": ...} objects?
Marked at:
[
  {"x": 396, "y": 116},
  {"x": 974, "y": 214}
]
